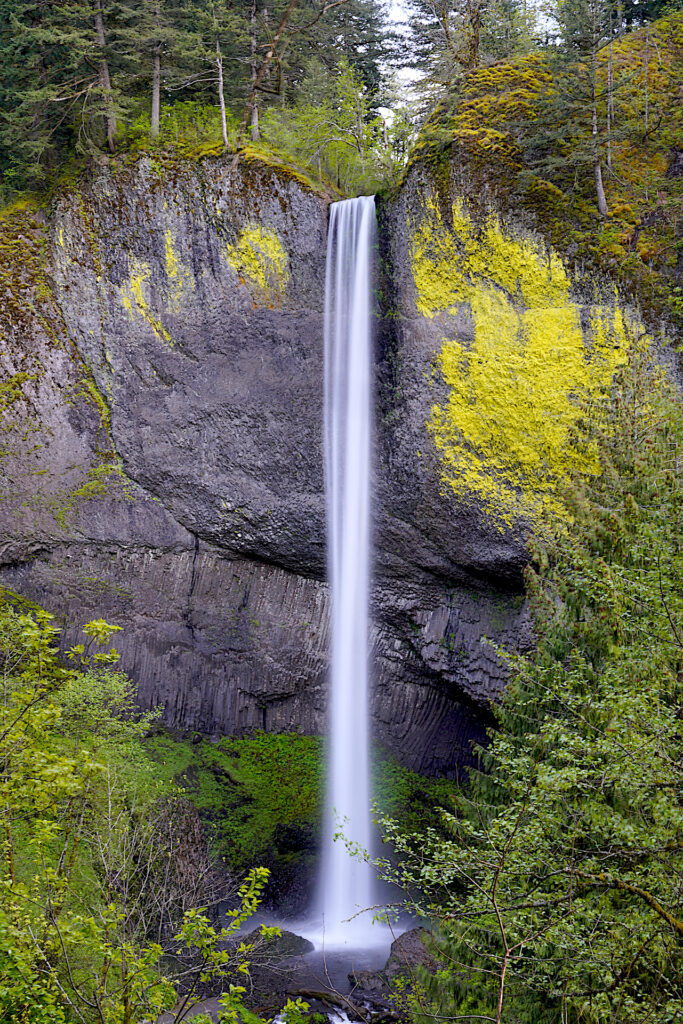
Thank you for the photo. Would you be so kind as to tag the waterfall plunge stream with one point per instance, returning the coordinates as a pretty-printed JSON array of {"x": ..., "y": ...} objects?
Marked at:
[{"x": 348, "y": 883}]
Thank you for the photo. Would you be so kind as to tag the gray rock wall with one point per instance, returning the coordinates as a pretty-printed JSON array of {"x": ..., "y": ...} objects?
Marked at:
[{"x": 163, "y": 463}]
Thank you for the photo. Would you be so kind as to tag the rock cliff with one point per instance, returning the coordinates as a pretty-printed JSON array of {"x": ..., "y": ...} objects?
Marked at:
[{"x": 161, "y": 355}]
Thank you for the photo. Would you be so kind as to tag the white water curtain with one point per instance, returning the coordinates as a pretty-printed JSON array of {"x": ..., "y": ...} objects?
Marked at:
[{"x": 347, "y": 883}]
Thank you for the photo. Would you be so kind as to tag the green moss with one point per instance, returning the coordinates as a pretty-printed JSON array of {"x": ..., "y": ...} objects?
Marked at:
[
  {"x": 250, "y": 790},
  {"x": 12, "y": 389},
  {"x": 485, "y": 135},
  {"x": 17, "y": 602},
  {"x": 411, "y": 799},
  {"x": 262, "y": 796},
  {"x": 101, "y": 481},
  {"x": 90, "y": 234},
  {"x": 23, "y": 280},
  {"x": 178, "y": 277},
  {"x": 135, "y": 301},
  {"x": 252, "y": 154},
  {"x": 87, "y": 388}
]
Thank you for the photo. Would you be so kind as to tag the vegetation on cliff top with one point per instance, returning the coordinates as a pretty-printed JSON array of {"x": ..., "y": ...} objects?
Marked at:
[
  {"x": 522, "y": 134},
  {"x": 83, "y": 78}
]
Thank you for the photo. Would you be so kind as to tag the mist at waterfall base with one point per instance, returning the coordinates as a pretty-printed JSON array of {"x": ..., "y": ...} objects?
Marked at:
[{"x": 348, "y": 886}]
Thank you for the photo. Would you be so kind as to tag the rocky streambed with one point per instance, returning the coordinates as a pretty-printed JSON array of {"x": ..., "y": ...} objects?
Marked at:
[{"x": 366, "y": 985}]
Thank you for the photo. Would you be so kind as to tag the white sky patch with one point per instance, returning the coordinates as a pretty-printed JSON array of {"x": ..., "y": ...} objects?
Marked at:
[
  {"x": 397, "y": 12},
  {"x": 397, "y": 16}
]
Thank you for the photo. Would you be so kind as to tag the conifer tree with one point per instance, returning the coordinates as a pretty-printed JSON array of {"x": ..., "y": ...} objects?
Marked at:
[
  {"x": 57, "y": 68},
  {"x": 586, "y": 26},
  {"x": 149, "y": 33},
  {"x": 208, "y": 35},
  {"x": 451, "y": 37},
  {"x": 557, "y": 883}
]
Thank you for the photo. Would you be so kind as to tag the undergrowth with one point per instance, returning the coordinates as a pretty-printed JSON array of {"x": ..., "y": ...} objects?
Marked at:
[{"x": 261, "y": 796}]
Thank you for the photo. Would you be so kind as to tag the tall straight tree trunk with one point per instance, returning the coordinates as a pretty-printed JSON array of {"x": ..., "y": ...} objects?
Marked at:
[
  {"x": 105, "y": 79},
  {"x": 265, "y": 64},
  {"x": 610, "y": 99},
  {"x": 156, "y": 81},
  {"x": 647, "y": 72},
  {"x": 156, "y": 95},
  {"x": 597, "y": 166},
  {"x": 221, "y": 93},
  {"x": 255, "y": 133}
]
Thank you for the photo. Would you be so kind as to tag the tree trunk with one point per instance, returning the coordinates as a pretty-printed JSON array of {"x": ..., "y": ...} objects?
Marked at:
[
  {"x": 597, "y": 167},
  {"x": 610, "y": 100},
  {"x": 156, "y": 79},
  {"x": 221, "y": 94},
  {"x": 599, "y": 188},
  {"x": 265, "y": 64},
  {"x": 255, "y": 133},
  {"x": 105, "y": 80},
  {"x": 156, "y": 95}
]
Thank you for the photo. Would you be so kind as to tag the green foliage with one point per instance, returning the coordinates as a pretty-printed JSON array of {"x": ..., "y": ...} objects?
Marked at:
[
  {"x": 186, "y": 125},
  {"x": 450, "y": 37},
  {"x": 262, "y": 795},
  {"x": 409, "y": 798},
  {"x": 334, "y": 135},
  {"x": 91, "y": 890},
  {"x": 523, "y": 131},
  {"x": 82, "y": 76},
  {"x": 559, "y": 891}
]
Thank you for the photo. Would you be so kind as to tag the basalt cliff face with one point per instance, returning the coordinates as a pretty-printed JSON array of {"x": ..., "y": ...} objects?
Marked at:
[{"x": 161, "y": 352}]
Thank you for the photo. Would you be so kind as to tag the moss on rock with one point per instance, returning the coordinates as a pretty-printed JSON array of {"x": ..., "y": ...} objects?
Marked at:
[
  {"x": 262, "y": 795},
  {"x": 508, "y": 431}
]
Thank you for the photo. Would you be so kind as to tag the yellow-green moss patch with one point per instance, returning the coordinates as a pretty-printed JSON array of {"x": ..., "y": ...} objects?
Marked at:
[
  {"x": 133, "y": 296},
  {"x": 261, "y": 262},
  {"x": 178, "y": 277},
  {"x": 508, "y": 431}
]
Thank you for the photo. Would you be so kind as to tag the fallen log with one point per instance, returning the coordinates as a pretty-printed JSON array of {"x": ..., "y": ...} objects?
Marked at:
[{"x": 332, "y": 998}]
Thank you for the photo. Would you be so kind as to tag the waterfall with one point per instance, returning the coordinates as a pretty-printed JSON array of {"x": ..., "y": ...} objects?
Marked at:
[{"x": 347, "y": 883}]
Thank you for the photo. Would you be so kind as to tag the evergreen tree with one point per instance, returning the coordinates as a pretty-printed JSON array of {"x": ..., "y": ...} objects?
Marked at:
[
  {"x": 557, "y": 887},
  {"x": 148, "y": 33},
  {"x": 357, "y": 31},
  {"x": 56, "y": 68},
  {"x": 451, "y": 37},
  {"x": 586, "y": 26}
]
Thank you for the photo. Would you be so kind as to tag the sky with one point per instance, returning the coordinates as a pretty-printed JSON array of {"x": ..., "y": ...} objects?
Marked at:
[{"x": 397, "y": 10}]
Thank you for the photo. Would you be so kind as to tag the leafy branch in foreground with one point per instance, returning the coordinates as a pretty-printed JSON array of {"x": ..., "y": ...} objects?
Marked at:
[{"x": 103, "y": 868}]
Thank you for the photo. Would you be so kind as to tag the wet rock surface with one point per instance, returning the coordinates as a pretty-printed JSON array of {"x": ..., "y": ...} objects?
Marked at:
[
  {"x": 163, "y": 465},
  {"x": 409, "y": 954},
  {"x": 357, "y": 985}
]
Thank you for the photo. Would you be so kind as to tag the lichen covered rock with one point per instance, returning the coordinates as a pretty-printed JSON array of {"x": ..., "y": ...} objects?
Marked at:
[{"x": 508, "y": 430}]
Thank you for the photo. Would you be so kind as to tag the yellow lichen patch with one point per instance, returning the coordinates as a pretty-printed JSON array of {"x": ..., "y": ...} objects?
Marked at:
[
  {"x": 261, "y": 262},
  {"x": 508, "y": 431},
  {"x": 437, "y": 265},
  {"x": 179, "y": 280},
  {"x": 133, "y": 295}
]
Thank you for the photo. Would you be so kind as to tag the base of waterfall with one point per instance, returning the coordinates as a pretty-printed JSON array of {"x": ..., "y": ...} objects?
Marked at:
[
  {"x": 356, "y": 933},
  {"x": 342, "y": 984}
]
